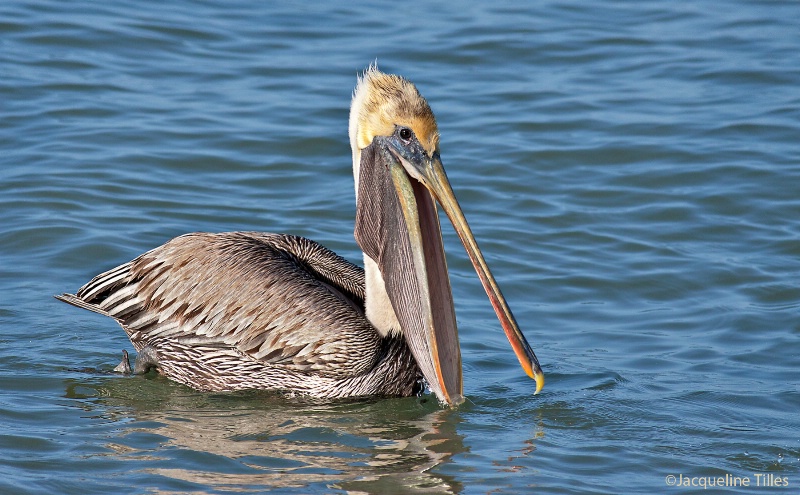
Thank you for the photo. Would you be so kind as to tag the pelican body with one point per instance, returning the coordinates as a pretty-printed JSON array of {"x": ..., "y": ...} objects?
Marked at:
[{"x": 250, "y": 310}]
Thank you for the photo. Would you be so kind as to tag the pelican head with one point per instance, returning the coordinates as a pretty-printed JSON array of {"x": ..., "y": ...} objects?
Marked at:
[{"x": 399, "y": 179}]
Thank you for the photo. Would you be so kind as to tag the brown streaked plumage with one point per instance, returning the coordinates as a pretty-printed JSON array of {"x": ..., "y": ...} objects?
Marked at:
[{"x": 249, "y": 310}]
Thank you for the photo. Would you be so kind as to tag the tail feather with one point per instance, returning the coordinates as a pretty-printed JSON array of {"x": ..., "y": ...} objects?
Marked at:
[
  {"x": 77, "y": 301},
  {"x": 101, "y": 293},
  {"x": 97, "y": 289}
]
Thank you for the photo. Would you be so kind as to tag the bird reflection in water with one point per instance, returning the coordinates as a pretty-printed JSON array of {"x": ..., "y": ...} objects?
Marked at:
[{"x": 266, "y": 441}]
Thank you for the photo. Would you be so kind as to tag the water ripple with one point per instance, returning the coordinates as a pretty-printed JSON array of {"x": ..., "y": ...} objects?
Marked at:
[{"x": 629, "y": 169}]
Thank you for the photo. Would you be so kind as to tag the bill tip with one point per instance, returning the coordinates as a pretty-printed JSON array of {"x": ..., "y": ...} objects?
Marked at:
[{"x": 538, "y": 376}]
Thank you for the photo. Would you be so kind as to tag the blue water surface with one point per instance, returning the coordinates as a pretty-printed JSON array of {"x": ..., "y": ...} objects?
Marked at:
[{"x": 631, "y": 170}]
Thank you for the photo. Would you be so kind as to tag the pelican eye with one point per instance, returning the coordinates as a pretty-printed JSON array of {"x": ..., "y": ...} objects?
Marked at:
[{"x": 405, "y": 133}]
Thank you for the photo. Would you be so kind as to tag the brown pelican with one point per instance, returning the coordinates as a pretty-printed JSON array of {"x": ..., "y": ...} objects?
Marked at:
[{"x": 249, "y": 310}]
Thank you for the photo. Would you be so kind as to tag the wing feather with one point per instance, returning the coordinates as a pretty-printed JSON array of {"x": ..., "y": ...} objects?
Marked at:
[{"x": 274, "y": 298}]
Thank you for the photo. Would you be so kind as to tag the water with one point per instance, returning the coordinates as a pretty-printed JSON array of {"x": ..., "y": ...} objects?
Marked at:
[{"x": 632, "y": 171}]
